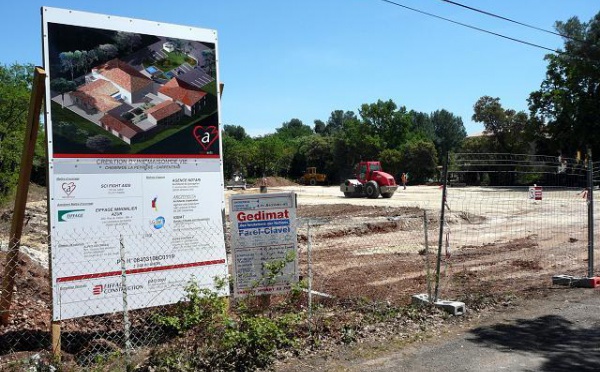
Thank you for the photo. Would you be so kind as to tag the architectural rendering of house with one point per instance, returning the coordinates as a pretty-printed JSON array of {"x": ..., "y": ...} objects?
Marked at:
[
  {"x": 191, "y": 98},
  {"x": 124, "y": 101},
  {"x": 165, "y": 113},
  {"x": 120, "y": 128},
  {"x": 96, "y": 96},
  {"x": 132, "y": 84}
]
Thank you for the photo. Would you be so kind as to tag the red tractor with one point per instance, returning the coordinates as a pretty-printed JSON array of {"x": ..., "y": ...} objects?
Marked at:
[{"x": 371, "y": 181}]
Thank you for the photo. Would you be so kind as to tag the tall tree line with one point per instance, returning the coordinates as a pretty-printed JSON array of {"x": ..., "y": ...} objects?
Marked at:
[{"x": 405, "y": 141}]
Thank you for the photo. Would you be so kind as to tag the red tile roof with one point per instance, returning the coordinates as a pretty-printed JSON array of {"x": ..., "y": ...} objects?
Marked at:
[
  {"x": 98, "y": 94},
  {"x": 183, "y": 92},
  {"x": 163, "y": 110},
  {"x": 124, "y": 128},
  {"x": 123, "y": 75}
]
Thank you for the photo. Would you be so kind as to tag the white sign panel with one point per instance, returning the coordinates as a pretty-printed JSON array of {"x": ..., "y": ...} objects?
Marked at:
[
  {"x": 135, "y": 166},
  {"x": 263, "y": 236}
]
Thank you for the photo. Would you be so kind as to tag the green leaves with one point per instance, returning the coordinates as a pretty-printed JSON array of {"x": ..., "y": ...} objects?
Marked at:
[
  {"x": 211, "y": 339},
  {"x": 15, "y": 91},
  {"x": 567, "y": 101},
  {"x": 336, "y": 145},
  {"x": 506, "y": 127}
]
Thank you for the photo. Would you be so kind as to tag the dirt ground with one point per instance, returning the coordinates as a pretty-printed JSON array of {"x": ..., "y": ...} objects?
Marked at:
[{"x": 494, "y": 242}]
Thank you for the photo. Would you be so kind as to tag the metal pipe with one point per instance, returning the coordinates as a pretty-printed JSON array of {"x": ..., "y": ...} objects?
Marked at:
[
  {"x": 590, "y": 200},
  {"x": 427, "y": 268},
  {"x": 441, "y": 236}
]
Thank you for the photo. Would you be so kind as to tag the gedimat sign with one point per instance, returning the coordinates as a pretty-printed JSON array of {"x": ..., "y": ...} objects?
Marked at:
[
  {"x": 262, "y": 215},
  {"x": 263, "y": 232}
]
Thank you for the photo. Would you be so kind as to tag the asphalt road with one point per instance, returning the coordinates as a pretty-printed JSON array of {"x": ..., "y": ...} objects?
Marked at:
[{"x": 560, "y": 332}]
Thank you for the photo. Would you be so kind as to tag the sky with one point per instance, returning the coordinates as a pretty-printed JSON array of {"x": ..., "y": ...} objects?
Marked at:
[{"x": 281, "y": 60}]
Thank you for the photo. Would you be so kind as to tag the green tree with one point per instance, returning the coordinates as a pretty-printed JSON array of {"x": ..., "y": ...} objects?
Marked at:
[
  {"x": 419, "y": 159},
  {"x": 293, "y": 129},
  {"x": 391, "y": 161},
  {"x": 62, "y": 86},
  {"x": 355, "y": 141},
  {"x": 449, "y": 132},
  {"x": 235, "y": 131},
  {"x": 336, "y": 121},
  {"x": 568, "y": 100},
  {"x": 507, "y": 127},
  {"x": 15, "y": 92},
  {"x": 237, "y": 155},
  {"x": 390, "y": 123},
  {"x": 477, "y": 144},
  {"x": 319, "y": 127},
  {"x": 421, "y": 125},
  {"x": 271, "y": 155},
  {"x": 315, "y": 151},
  {"x": 105, "y": 52},
  {"x": 127, "y": 41},
  {"x": 68, "y": 62}
]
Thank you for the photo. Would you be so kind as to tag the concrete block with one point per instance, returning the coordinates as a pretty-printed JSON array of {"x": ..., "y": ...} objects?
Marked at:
[
  {"x": 420, "y": 299},
  {"x": 452, "y": 307},
  {"x": 574, "y": 281}
]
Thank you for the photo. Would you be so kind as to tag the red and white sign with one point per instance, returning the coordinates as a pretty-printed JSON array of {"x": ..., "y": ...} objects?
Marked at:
[{"x": 535, "y": 192}]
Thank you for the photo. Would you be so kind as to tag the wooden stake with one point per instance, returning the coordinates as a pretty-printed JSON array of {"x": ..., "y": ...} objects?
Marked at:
[
  {"x": 16, "y": 229},
  {"x": 55, "y": 334}
]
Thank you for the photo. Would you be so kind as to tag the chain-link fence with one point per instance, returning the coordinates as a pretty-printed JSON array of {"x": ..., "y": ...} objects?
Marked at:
[
  {"x": 521, "y": 220},
  {"x": 373, "y": 254},
  {"x": 493, "y": 240},
  {"x": 101, "y": 310},
  {"x": 505, "y": 238}
]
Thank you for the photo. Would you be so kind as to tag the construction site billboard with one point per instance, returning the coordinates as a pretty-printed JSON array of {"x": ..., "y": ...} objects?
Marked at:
[{"x": 134, "y": 161}]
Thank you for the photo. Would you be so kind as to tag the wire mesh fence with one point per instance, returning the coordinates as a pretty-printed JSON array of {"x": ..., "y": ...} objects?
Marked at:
[
  {"x": 373, "y": 258},
  {"x": 504, "y": 236},
  {"x": 530, "y": 217},
  {"x": 111, "y": 293}
]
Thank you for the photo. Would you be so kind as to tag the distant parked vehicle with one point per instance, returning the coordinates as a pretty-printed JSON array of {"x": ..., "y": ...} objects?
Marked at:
[
  {"x": 311, "y": 177},
  {"x": 237, "y": 181}
]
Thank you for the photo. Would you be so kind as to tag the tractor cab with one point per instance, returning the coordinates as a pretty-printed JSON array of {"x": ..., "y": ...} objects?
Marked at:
[{"x": 364, "y": 170}]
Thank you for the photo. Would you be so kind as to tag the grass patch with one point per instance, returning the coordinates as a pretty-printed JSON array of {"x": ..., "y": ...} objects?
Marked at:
[
  {"x": 173, "y": 60},
  {"x": 72, "y": 131},
  {"x": 170, "y": 131}
]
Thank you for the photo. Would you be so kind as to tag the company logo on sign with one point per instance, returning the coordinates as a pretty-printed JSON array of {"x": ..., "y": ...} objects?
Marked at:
[
  {"x": 69, "y": 187},
  {"x": 206, "y": 136},
  {"x": 113, "y": 288},
  {"x": 70, "y": 214},
  {"x": 158, "y": 222},
  {"x": 154, "y": 204}
]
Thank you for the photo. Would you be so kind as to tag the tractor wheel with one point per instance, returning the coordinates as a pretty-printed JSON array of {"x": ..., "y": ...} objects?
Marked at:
[
  {"x": 372, "y": 190},
  {"x": 313, "y": 182},
  {"x": 349, "y": 194},
  {"x": 387, "y": 195}
]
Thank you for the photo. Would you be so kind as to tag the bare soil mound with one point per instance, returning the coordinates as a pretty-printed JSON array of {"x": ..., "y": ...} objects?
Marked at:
[{"x": 274, "y": 182}]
